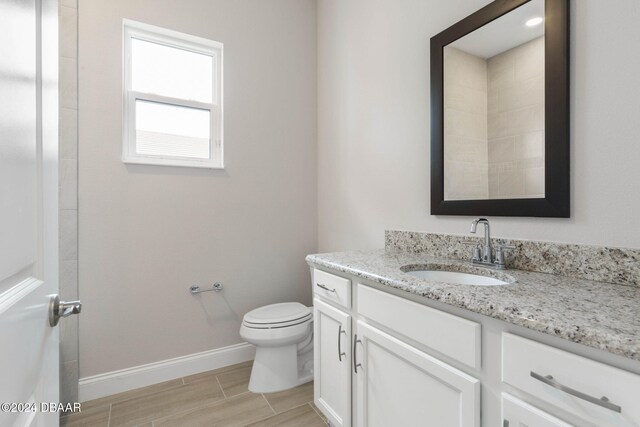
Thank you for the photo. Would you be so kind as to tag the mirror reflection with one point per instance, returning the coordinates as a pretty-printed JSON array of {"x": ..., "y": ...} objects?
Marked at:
[{"x": 494, "y": 91}]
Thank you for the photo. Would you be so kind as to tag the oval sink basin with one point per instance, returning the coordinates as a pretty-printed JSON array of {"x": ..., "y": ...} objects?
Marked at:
[{"x": 456, "y": 278}]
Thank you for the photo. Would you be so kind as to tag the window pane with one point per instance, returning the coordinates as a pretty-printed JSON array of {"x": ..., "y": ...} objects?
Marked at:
[
  {"x": 170, "y": 130},
  {"x": 169, "y": 71}
]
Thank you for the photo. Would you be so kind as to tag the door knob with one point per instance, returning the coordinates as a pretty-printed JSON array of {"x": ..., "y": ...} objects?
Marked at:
[{"x": 58, "y": 309}]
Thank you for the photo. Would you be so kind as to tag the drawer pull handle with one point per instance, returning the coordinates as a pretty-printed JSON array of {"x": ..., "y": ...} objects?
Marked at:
[
  {"x": 356, "y": 365},
  {"x": 340, "y": 352},
  {"x": 320, "y": 285},
  {"x": 603, "y": 401}
]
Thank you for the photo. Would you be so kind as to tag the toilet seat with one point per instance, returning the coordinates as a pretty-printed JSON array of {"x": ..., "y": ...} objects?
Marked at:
[{"x": 277, "y": 316}]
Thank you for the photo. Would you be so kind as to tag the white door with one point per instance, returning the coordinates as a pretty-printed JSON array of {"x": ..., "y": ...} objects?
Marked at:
[
  {"x": 516, "y": 413},
  {"x": 399, "y": 385},
  {"x": 332, "y": 363},
  {"x": 28, "y": 210}
]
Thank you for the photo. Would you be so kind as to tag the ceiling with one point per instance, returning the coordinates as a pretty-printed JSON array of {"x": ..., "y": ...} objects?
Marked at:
[{"x": 504, "y": 33}]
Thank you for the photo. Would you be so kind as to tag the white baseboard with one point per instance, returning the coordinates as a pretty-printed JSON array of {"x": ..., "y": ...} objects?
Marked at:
[{"x": 114, "y": 382}]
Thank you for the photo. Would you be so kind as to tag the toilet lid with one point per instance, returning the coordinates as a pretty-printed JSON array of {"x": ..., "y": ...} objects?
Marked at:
[{"x": 277, "y": 313}]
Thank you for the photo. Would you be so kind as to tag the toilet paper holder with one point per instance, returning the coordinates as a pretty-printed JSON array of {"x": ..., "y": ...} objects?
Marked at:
[{"x": 195, "y": 289}]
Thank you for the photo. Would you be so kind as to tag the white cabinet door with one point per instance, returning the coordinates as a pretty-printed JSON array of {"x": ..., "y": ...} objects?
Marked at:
[
  {"x": 332, "y": 363},
  {"x": 516, "y": 413},
  {"x": 398, "y": 385}
]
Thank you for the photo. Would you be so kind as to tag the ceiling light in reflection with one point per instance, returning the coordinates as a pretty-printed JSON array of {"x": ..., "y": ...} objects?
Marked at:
[{"x": 534, "y": 21}]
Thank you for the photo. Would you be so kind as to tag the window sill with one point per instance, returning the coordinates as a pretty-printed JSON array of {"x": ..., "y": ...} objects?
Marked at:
[{"x": 201, "y": 164}]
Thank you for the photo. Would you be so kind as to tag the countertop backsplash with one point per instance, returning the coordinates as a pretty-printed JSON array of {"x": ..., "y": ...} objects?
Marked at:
[{"x": 600, "y": 263}]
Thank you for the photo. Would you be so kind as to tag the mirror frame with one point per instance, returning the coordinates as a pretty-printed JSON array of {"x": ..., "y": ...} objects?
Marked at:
[{"x": 556, "y": 202}]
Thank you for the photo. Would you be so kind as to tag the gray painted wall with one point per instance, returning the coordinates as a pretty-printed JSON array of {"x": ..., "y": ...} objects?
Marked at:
[
  {"x": 373, "y": 124},
  {"x": 147, "y": 233}
]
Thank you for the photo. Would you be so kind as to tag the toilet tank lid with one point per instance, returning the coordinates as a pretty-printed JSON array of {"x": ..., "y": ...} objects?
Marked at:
[{"x": 276, "y": 313}]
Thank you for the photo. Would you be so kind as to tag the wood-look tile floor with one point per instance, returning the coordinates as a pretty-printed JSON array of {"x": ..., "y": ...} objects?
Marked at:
[{"x": 214, "y": 398}]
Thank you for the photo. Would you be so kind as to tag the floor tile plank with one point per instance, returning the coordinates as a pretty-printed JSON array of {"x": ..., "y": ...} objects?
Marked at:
[
  {"x": 236, "y": 411},
  {"x": 132, "y": 394},
  {"x": 215, "y": 372},
  {"x": 303, "y": 415},
  {"x": 235, "y": 382},
  {"x": 318, "y": 411},
  {"x": 97, "y": 416},
  {"x": 146, "y": 408},
  {"x": 284, "y": 400}
]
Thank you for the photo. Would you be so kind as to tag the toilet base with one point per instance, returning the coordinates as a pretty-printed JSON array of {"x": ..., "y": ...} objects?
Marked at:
[{"x": 280, "y": 368}]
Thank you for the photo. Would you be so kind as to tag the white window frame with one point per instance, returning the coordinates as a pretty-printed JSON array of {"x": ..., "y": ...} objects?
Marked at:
[{"x": 150, "y": 33}]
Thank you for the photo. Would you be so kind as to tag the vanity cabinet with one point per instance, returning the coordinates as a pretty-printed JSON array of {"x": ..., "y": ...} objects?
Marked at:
[
  {"x": 384, "y": 360},
  {"x": 388, "y": 380}
]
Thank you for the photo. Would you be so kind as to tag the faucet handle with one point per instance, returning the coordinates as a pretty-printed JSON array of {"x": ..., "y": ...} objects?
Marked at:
[
  {"x": 476, "y": 251},
  {"x": 500, "y": 253}
]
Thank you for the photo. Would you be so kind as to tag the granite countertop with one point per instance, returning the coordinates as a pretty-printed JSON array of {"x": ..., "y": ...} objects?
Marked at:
[{"x": 596, "y": 314}]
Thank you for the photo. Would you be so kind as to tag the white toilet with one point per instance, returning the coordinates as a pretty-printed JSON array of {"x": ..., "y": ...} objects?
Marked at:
[{"x": 283, "y": 336}]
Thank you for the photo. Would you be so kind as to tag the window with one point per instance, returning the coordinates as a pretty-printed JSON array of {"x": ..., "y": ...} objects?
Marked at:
[{"x": 172, "y": 98}]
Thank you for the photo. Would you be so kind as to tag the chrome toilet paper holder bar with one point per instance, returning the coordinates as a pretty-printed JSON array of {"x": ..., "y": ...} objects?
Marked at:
[{"x": 195, "y": 289}]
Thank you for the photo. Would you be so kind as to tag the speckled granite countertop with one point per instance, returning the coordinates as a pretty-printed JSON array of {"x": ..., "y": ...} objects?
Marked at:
[{"x": 595, "y": 314}]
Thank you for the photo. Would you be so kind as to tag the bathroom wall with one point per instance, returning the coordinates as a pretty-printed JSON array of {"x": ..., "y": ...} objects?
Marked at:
[
  {"x": 146, "y": 233},
  {"x": 516, "y": 121},
  {"x": 465, "y": 130},
  {"x": 373, "y": 124}
]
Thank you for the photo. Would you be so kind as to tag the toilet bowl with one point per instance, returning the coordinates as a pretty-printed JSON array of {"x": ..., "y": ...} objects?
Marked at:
[{"x": 283, "y": 336}]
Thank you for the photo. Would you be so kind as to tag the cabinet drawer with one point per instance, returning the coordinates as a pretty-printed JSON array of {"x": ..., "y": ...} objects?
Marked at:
[
  {"x": 569, "y": 382},
  {"x": 448, "y": 334},
  {"x": 516, "y": 413},
  {"x": 331, "y": 287}
]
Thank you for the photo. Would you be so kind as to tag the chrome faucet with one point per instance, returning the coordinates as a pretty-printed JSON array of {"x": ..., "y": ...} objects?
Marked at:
[
  {"x": 484, "y": 254},
  {"x": 487, "y": 250}
]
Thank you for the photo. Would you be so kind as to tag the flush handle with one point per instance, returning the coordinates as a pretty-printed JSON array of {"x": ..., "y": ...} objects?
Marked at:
[{"x": 59, "y": 309}]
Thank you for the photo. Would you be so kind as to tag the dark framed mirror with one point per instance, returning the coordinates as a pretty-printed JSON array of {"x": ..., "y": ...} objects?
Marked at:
[{"x": 500, "y": 112}]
